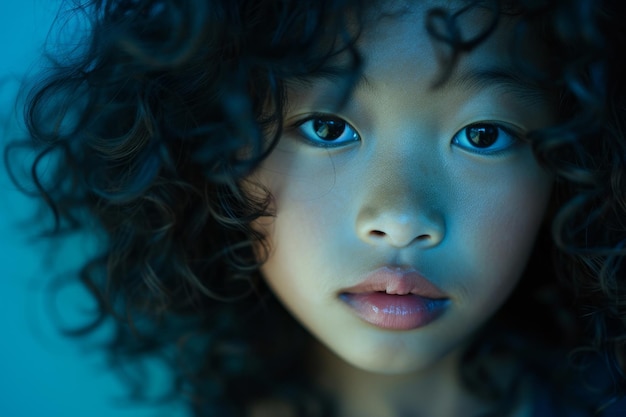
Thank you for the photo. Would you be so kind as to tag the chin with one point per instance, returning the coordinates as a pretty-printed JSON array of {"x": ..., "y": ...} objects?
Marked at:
[{"x": 395, "y": 361}]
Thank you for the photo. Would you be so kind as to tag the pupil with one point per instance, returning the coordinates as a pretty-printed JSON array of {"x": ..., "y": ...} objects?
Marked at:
[
  {"x": 329, "y": 129},
  {"x": 482, "y": 136}
]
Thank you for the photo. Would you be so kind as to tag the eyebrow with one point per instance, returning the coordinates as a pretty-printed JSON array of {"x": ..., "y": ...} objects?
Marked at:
[
  {"x": 333, "y": 73},
  {"x": 339, "y": 76},
  {"x": 477, "y": 79},
  {"x": 470, "y": 80}
]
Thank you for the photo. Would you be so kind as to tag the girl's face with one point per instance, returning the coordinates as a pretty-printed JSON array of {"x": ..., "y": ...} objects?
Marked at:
[{"x": 405, "y": 219}]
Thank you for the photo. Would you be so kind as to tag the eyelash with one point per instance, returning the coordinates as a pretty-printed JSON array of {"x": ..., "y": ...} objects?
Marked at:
[
  {"x": 514, "y": 138},
  {"x": 457, "y": 139},
  {"x": 300, "y": 125}
]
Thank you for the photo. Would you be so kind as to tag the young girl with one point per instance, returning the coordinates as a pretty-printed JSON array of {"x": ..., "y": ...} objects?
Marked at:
[{"x": 351, "y": 207}]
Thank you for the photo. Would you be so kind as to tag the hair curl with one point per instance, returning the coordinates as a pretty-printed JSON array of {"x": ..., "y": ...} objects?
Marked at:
[{"x": 172, "y": 102}]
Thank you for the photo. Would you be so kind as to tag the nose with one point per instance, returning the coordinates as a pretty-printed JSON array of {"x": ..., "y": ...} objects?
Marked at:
[
  {"x": 399, "y": 228},
  {"x": 400, "y": 225},
  {"x": 401, "y": 207}
]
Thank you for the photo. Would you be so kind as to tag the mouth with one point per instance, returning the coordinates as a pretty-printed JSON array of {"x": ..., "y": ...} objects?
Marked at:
[{"x": 396, "y": 299}]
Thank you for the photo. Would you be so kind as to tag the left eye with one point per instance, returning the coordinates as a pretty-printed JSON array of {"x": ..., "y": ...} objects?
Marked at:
[
  {"x": 327, "y": 131},
  {"x": 485, "y": 138}
]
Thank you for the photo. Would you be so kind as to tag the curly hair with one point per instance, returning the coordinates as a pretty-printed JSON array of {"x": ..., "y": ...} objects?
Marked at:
[{"x": 170, "y": 103}]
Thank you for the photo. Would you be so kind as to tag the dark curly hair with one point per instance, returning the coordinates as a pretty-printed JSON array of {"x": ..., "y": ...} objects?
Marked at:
[{"x": 157, "y": 116}]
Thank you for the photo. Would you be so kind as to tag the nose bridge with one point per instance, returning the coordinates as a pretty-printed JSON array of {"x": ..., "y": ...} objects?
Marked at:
[{"x": 400, "y": 205}]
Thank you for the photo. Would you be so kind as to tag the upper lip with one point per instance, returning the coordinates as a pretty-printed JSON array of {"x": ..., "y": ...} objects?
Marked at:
[{"x": 397, "y": 280}]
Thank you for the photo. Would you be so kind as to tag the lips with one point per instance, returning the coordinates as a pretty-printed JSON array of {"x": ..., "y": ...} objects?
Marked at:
[{"x": 396, "y": 299}]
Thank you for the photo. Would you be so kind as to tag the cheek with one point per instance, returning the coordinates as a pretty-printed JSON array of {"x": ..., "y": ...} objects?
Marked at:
[
  {"x": 295, "y": 237},
  {"x": 295, "y": 176},
  {"x": 307, "y": 201},
  {"x": 301, "y": 242},
  {"x": 500, "y": 229},
  {"x": 295, "y": 270}
]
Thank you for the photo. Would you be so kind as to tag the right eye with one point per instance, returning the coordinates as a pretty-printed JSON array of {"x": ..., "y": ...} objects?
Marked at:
[{"x": 327, "y": 131}]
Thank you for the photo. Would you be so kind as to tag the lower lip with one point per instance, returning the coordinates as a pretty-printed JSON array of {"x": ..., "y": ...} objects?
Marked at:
[{"x": 395, "y": 312}]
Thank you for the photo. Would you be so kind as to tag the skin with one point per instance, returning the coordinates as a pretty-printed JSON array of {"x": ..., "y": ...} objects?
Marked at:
[{"x": 410, "y": 193}]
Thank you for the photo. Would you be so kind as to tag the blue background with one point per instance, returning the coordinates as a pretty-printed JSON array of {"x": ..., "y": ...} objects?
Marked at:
[{"x": 42, "y": 373}]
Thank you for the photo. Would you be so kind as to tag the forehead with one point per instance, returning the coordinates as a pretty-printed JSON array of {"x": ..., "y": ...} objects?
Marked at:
[
  {"x": 418, "y": 42},
  {"x": 447, "y": 28}
]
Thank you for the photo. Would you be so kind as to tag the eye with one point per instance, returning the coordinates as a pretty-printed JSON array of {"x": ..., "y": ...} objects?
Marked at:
[
  {"x": 327, "y": 131},
  {"x": 485, "y": 138}
]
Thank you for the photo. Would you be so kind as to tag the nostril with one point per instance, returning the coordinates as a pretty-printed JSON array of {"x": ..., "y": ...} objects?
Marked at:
[
  {"x": 399, "y": 228},
  {"x": 379, "y": 234}
]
